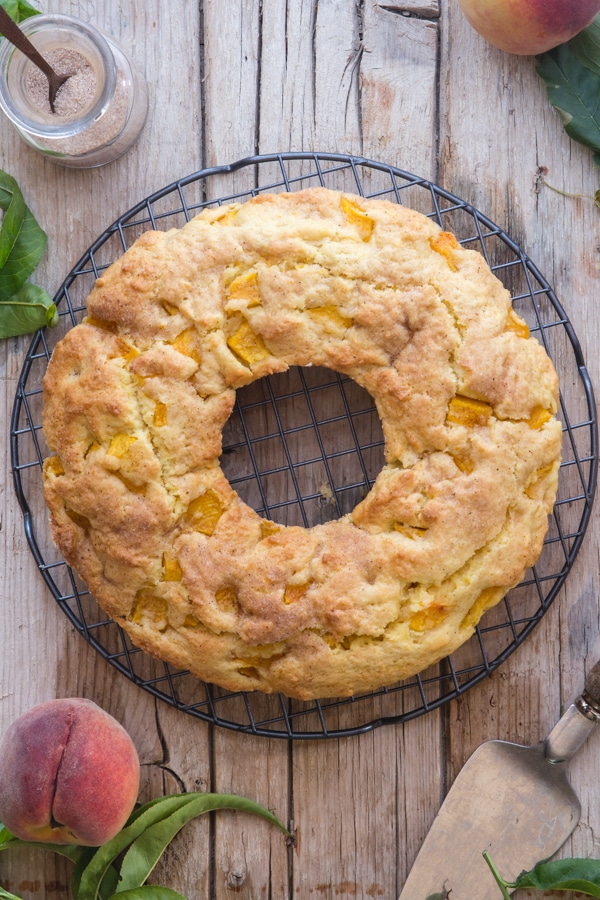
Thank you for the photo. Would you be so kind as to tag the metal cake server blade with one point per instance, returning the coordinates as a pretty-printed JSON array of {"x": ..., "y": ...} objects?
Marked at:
[{"x": 513, "y": 801}]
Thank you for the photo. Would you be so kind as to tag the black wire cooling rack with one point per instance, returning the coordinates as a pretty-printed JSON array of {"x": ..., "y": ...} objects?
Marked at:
[{"x": 324, "y": 433}]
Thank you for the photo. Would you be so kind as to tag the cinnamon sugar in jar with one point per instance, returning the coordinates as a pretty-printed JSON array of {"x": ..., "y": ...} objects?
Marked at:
[{"x": 99, "y": 111}]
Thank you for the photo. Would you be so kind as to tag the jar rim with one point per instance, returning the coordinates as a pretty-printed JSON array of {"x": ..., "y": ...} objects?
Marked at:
[{"x": 62, "y": 127}]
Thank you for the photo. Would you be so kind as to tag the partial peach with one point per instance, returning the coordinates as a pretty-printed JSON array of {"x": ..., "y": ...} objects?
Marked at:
[
  {"x": 69, "y": 774},
  {"x": 529, "y": 27}
]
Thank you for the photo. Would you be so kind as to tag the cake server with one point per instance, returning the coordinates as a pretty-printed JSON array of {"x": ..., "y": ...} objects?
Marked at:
[{"x": 513, "y": 801}]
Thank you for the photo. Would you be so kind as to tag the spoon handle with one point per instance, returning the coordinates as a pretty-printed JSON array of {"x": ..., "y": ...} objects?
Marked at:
[{"x": 13, "y": 33}]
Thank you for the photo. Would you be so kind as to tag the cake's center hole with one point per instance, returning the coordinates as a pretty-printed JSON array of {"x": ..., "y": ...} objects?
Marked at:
[{"x": 303, "y": 447}]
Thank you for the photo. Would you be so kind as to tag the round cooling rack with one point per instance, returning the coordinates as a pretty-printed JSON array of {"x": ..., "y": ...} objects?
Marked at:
[{"x": 324, "y": 433}]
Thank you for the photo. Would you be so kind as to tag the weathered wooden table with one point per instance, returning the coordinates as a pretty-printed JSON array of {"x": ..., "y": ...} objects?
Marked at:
[{"x": 410, "y": 84}]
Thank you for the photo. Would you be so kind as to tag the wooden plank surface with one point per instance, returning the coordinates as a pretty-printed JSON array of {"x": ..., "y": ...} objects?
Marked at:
[
  {"x": 407, "y": 83},
  {"x": 497, "y": 133}
]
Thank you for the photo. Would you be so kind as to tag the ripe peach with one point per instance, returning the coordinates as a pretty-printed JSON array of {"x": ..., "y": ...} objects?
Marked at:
[
  {"x": 69, "y": 774},
  {"x": 528, "y": 27}
]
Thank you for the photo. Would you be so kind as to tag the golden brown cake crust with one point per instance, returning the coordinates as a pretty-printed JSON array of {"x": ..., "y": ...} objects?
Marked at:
[{"x": 137, "y": 395}]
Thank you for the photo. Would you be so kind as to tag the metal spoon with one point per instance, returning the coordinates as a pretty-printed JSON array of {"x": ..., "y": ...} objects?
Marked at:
[{"x": 13, "y": 33}]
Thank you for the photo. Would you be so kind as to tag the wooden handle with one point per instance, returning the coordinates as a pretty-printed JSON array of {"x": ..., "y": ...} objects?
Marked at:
[
  {"x": 13, "y": 33},
  {"x": 592, "y": 687}
]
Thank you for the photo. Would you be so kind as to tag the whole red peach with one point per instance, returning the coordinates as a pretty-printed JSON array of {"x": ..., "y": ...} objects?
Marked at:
[
  {"x": 69, "y": 774},
  {"x": 529, "y": 27}
]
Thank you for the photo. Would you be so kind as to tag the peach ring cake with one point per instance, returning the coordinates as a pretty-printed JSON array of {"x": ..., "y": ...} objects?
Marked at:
[{"x": 136, "y": 397}]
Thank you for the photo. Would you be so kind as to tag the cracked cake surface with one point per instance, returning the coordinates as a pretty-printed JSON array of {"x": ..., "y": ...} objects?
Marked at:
[{"x": 136, "y": 397}]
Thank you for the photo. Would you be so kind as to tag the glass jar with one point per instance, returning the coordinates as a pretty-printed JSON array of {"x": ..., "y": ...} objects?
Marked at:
[{"x": 99, "y": 111}]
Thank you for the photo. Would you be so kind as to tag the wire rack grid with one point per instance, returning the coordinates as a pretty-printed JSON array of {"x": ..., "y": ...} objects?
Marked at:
[{"x": 324, "y": 434}]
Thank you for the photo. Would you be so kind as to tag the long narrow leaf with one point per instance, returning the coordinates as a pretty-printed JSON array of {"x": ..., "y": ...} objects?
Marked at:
[
  {"x": 108, "y": 884},
  {"x": 71, "y": 851},
  {"x": 8, "y": 841},
  {"x": 145, "y": 851},
  {"x": 150, "y": 804},
  {"x": 5, "y": 895},
  {"x": 93, "y": 874}
]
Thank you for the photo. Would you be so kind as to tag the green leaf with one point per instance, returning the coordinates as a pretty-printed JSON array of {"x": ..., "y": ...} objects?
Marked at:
[
  {"x": 586, "y": 46},
  {"x": 108, "y": 884},
  {"x": 168, "y": 814},
  {"x": 581, "y": 875},
  {"x": 147, "y": 833},
  {"x": 27, "y": 247},
  {"x": 144, "y": 853},
  {"x": 141, "y": 819},
  {"x": 150, "y": 892},
  {"x": 12, "y": 8},
  {"x": 19, "y": 9},
  {"x": 26, "y": 10},
  {"x": 71, "y": 851},
  {"x": 8, "y": 841},
  {"x": 575, "y": 93},
  {"x": 27, "y": 310},
  {"x": 4, "y": 895},
  {"x": 13, "y": 219},
  {"x": 23, "y": 307}
]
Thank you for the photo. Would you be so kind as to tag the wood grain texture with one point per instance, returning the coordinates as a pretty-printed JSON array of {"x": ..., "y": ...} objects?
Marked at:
[
  {"x": 407, "y": 83},
  {"x": 498, "y": 135},
  {"x": 45, "y": 657}
]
